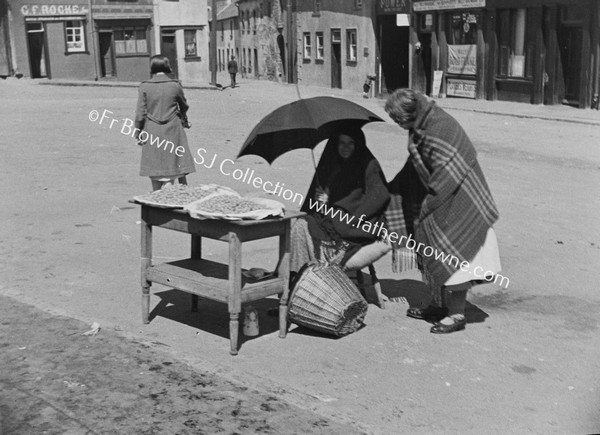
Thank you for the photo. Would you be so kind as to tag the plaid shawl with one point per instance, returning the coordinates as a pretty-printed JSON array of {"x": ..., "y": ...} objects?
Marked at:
[{"x": 440, "y": 198}]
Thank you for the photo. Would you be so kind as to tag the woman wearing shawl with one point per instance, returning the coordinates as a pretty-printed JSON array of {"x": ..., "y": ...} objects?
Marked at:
[
  {"x": 345, "y": 203},
  {"x": 442, "y": 202}
]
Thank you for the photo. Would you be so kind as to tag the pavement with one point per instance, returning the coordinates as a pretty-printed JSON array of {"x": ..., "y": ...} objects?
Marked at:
[
  {"x": 527, "y": 362},
  {"x": 561, "y": 113}
]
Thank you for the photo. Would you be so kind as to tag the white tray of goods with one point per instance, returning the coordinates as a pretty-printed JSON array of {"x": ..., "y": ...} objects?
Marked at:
[
  {"x": 178, "y": 195},
  {"x": 230, "y": 205}
]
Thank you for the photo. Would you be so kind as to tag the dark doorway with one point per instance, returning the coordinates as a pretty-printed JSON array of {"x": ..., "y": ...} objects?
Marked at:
[
  {"x": 425, "y": 62},
  {"x": 570, "y": 42},
  {"x": 256, "y": 72},
  {"x": 37, "y": 50},
  {"x": 394, "y": 49},
  {"x": 107, "y": 60},
  {"x": 336, "y": 59},
  {"x": 168, "y": 47}
]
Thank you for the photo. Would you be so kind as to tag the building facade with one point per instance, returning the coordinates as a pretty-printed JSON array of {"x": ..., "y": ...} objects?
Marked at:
[
  {"x": 264, "y": 40},
  {"x": 227, "y": 35},
  {"x": 182, "y": 34},
  {"x": 123, "y": 37},
  {"x": 533, "y": 51},
  {"x": 336, "y": 43},
  {"x": 52, "y": 38}
]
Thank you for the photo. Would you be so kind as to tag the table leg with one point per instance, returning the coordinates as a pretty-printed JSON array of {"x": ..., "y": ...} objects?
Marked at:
[
  {"x": 196, "y": 254},
  {"x": 283, "y": 271},
  {"x": 145, "y": 263},
  {"x": 235, "y": 289}
]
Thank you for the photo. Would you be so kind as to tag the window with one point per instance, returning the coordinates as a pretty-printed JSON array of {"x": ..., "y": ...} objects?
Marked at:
[
  {"x": 351, "y": 45},
  {"x": 254, "y": 21},
  {"x": 320, "y": 50},
  {"x": 222, "y": 31},
  {"x": 190, "y": 43},
  {"x": 307, "y": 46},
  {"x": 130, "y": 40},
  {"x": 516, "y": 56},
  {"x": 462, "y": 29},
  {"x": 358, "y": 4},
  {"x": 74, "y": 36}
]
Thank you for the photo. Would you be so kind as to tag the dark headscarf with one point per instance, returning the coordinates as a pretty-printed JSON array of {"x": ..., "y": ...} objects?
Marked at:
[{"x": 340, "y": 176}]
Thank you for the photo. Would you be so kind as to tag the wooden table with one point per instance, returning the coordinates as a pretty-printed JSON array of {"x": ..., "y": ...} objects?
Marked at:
[{"x": 211, "y": 280}]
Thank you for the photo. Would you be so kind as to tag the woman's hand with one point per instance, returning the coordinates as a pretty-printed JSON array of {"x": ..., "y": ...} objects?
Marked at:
[{"x": 322, "y": 195}]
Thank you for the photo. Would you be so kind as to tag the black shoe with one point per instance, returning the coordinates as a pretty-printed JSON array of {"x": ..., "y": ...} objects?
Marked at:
[
  {"x": 458, "y": 325},
  {"x": 430, "y": 314}
]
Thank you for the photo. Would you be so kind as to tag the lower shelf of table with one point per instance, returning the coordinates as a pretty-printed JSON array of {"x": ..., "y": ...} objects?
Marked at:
[{"x": 210, "y": 279}]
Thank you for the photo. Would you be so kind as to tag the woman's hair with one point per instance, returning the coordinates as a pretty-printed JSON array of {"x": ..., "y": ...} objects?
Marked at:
[
  {"x": 160, "y": 64},
  {"x": 402, "y": 105}
]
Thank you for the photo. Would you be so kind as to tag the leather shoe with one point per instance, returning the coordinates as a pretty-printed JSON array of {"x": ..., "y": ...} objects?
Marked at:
[
  {"x": 430, "y": 314},
  {"x": 457, "y": 325}
]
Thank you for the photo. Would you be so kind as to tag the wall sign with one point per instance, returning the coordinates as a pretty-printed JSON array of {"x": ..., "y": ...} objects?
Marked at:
[
  {"x": 461, "y": 88},
  {"x": 389, "y": 7},
  {"x": 434, "y": 5},
  {"x": 53, "y": 10},
  {"x": 462, "y": 59}
]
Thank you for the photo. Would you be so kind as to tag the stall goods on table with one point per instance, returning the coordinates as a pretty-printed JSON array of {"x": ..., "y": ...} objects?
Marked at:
[{"x": 177, "y": 195}]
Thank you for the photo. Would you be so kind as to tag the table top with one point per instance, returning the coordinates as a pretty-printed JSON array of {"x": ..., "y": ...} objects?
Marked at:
[{"x": 178, "y": 212}]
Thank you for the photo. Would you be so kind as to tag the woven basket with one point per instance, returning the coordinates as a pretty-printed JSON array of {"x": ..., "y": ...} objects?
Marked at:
[{"x": 323, "y": 298}]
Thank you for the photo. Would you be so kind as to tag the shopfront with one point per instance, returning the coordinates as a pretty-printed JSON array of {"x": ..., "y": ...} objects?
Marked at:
[
  {"x": 53, "y": 40},
  {"x": 124, "y": 34},
  {"x": 448, "y": 47},
  {"x": 531, "y": 51}
]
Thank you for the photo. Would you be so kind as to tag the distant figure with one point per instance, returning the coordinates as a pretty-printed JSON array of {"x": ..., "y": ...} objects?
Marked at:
[
  {"x": 160, "y": 118},
  {"x": 232, "y": 67}
]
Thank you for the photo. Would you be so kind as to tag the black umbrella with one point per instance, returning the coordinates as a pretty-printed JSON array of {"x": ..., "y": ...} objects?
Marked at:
[{"x": 303, "y": 124}]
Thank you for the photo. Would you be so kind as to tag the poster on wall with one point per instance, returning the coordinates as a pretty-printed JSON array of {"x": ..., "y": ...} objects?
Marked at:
[
  {"x": 462, "y": 59},
  {"x": 461, "y": 88}
]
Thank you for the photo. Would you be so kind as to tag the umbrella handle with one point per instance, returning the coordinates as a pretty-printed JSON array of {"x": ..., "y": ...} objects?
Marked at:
[{"x": 312, "y": 153}]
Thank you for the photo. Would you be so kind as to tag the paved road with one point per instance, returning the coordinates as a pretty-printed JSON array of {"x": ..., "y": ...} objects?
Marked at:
[{"x": 527, "y": 362}]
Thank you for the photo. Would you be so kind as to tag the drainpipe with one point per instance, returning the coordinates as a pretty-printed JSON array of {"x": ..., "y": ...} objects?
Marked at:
[
  {"x": 213, "y": 43},
  {"x": 95, "y": 51}
]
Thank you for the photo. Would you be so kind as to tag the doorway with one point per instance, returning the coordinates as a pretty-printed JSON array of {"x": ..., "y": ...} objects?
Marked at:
[
  {"x": 168, "y": 47},
  {"x": 425, "y": 62},
  {"x": 570, "y": 40},
  {"x": 336, "y": 58},
  {"x": 107, "y": 59},
  {"x": 394, "y": 49},
  {"x": 36, "y": 45}
]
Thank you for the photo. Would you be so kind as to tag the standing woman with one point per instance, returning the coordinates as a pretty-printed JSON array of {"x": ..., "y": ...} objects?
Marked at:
[
  {"x": 446, "y": 205},
  {"x": 160, "y": 118}
]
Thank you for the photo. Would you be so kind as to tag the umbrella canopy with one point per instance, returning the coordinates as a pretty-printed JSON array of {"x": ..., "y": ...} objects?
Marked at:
[{"x": 303, "y": 124}]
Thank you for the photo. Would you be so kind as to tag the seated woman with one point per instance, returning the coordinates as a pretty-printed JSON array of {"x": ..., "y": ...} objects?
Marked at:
[{"x": 345, "y": 204}]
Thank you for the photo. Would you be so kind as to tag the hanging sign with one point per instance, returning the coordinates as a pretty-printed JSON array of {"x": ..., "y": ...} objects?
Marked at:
[
  {"x": 462, "y": 59},
  {"x": 434, "y": 5}
]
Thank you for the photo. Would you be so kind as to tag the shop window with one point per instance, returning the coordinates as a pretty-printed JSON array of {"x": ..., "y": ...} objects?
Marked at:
[
  {"x": 351, "y": 53},
  {"x": 515, "y": 54},
  {"x": 319, "y": 45},
  {"x": 463, "y": 28},
  {"x": 190, "y": 43},
  {"x": 307, "y": 51},
  {"x": 130, "y": 41},
  {"x": 74, "y": 36}
]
